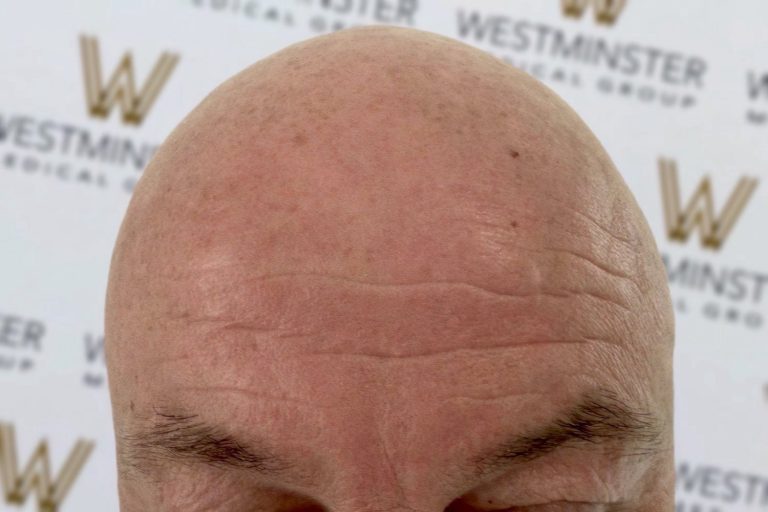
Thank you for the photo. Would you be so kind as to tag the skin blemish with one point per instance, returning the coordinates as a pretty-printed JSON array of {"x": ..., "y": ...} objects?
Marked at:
[
  {"x": 299, "y": 139},
  {"x": 513, "y": 153},
  {"x": 513, "y": 223}
]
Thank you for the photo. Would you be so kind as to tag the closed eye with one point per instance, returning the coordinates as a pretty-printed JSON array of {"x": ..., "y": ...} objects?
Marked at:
[{"x": 558, "y": 506}]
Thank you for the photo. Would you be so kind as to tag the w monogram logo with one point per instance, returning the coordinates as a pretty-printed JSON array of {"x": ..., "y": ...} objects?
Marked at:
[
  {"x": 700, "y": 211},
  {"x": 606, "y": 11},
  {"x": 36, "y": 476},
  {"x": 121, "y": 87}
]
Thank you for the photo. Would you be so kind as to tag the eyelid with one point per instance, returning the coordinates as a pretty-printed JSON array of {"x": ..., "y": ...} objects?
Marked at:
[
  {"x": 568, "y": 506},
  {"x": 555, "y": 506}
]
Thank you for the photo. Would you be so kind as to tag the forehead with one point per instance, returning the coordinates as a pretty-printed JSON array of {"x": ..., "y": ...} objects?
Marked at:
[
  {"x": 327, "y": 363},
  {"x": 321, "y": 336},
  {"x": 336, "y": 273},
  {"x": 473, "y": 287}
]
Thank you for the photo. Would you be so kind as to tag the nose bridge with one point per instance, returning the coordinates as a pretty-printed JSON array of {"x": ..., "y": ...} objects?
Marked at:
[
  {"x": 378, "y": 507},
  {"x": 377, "y": 482},
  {"x": 385, "y": 446},
  {"x": 382, "y": 470}
]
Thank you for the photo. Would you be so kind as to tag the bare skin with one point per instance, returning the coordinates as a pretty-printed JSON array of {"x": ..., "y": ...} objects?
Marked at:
[{"x": 363, "y": 265}]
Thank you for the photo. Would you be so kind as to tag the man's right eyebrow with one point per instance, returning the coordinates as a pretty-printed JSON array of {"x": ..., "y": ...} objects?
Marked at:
[{"x": 180, "y": 437}]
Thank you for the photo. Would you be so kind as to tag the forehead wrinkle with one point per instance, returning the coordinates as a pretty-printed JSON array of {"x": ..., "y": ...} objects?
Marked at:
[
  {"x": 556, "y": 270},
  {"x": 439, "y": 356},
  {"x": 333, "y": 313},
  {"x": 539, "y": 288},
  {"x": 499, "y": 264},
  {"x": 297, "y": 372},
  {"x": 336, "y": 322}
]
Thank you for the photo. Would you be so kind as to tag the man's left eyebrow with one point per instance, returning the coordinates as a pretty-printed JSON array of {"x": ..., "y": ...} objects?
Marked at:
[
  {"x": 598, "y": 418},
  {"x": 180, "y": 437}
]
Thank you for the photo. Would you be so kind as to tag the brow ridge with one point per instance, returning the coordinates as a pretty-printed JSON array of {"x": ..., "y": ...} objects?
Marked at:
[
  {"x": 183, "y": 437},
  {"x": 598, "y": 418}
]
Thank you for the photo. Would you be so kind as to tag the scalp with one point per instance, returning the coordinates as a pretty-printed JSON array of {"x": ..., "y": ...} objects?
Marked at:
[{"x": 386, "y": 155}]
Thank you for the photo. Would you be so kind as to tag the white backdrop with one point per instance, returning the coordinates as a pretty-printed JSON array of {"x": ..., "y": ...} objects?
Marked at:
[{"x": 686, "y": 81}]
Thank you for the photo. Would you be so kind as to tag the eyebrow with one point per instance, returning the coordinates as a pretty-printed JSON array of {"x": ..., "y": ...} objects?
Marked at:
[
  {"x": 599, "y": 417},
  {"x": 185, "y": 438}
]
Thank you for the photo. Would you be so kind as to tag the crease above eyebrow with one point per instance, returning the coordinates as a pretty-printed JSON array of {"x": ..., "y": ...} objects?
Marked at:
[
  {"x": 453, "y": 282},
  {"x": 381, "y": 356},
  {"x": 600, "y": 417}
]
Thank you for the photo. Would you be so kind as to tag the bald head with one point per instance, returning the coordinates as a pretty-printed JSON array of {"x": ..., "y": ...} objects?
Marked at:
[{"x": 381, "y": 270}]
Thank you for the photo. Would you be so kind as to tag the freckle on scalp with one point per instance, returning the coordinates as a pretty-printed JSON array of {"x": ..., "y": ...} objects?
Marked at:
[{"x": 299, "y": 139}]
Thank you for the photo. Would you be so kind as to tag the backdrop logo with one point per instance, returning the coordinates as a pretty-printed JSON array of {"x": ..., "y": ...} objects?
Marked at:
[
  {"x": 700, "y": 211},
  {"x": 606, "y": 11},
  {"x": 36, "y": 476},
  {"x": 121, "y": 87},
  {"x": 757, "y": 87}
]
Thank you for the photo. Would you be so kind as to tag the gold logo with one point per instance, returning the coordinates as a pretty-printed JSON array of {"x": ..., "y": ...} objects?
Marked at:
[
  {"x": 700, "y": 211},
  {"x": 606, "y": 11},
  {"x": 37, "y": 472},
  {"x": 121, "y": 87}
]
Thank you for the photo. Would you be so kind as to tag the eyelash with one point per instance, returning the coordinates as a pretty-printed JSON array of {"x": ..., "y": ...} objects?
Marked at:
[
  {"x": 585, "y": 507},
  {"x": 557, "y": 507}
]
